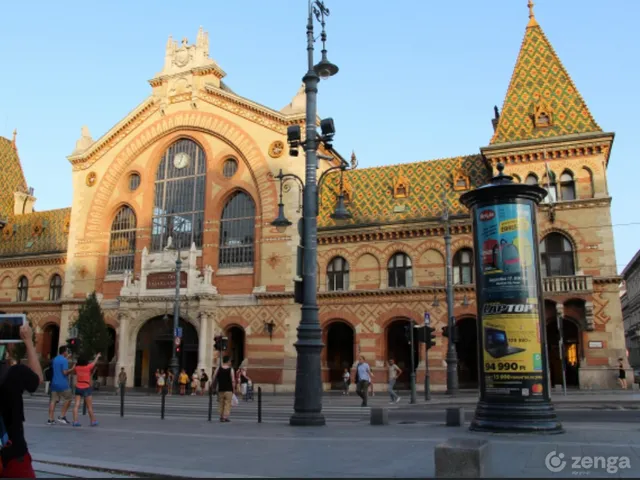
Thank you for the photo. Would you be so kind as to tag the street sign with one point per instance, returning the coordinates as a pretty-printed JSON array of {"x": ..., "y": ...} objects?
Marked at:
[
  {"x": 178, "y": 332},
  {"x": 177, "y": 341},
  {"x": 427, "y": 319}
]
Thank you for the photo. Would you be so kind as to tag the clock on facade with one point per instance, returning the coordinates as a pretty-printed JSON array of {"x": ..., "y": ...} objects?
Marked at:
[{"x": 181, "y": 160}]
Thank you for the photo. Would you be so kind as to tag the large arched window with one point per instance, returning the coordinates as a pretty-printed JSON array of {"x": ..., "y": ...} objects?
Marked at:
[
  {"x": 23, "y": 289},
  {"x": 550, "y": 185},
  {"x": 122, "y": 245},
  {"x": 338, "y": 274},
  {"x": 531, "y": 179},
  {"x": 567, "y": 186},
  {"x": 463, "y": 267},
  {"x": 55, "y": 288},
  {"x": 178, "y": 209},
  {"x": 236, "y": 232},
  {"x": 400, "y": 271},
  {"x": 556, "y": 255}
]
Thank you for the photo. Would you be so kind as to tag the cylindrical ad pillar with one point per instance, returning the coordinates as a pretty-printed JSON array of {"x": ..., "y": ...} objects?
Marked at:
[{"x": 513, "y": 374}]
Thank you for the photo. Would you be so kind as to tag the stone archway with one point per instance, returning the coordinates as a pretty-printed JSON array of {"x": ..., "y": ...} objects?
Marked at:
[
  {"x": 50, "y": 341},
  {"x": 467, "y": 350},
  {"x": 236, "y": 348},
  {"x": 340, "y": 341},
  {"x": 399, "y": 349},
  {"x": 154, "y": 348}
]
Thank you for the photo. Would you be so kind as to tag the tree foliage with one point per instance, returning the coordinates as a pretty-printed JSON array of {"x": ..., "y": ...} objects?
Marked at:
[{"x": 92, "y": 329}]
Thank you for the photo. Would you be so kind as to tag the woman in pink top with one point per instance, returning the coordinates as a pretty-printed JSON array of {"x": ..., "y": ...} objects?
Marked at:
[{"x": 83, "y": 388}]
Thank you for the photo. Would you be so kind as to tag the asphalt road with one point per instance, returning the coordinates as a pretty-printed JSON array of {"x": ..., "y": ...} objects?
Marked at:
[{"x": 339, "y": 410}]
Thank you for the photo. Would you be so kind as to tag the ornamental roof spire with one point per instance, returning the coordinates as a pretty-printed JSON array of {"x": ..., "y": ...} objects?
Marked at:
[{"x": 532, "y": 17}]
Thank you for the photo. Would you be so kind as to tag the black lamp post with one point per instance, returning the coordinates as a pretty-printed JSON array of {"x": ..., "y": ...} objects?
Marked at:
[
  {"x": 308, "y": 391},
  {"x": 174, "y": 363},
  {"x": 514, "y": 388},
  {"x": 452, "y": 353}
]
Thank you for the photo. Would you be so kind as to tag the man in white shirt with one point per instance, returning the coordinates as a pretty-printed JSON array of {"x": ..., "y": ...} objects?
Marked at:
[
  {"x": 394, "y": 373},
  {"x": 364, "y": 377}
]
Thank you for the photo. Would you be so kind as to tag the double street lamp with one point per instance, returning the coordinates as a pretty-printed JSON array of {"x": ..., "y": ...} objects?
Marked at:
[{"x": 308, "y": 391}]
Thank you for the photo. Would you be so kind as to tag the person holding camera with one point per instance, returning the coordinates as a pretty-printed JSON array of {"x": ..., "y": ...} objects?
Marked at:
[{"x": 14, "y": 381}]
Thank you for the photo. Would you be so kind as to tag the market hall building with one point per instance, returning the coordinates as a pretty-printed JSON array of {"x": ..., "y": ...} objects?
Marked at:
[{"x": 190, "y": 171}]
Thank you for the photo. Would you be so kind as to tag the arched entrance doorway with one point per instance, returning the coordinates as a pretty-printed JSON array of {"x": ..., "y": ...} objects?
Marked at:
[
  {"x": 50, "y": 340},
  {"x": 154, "y": 347},
  {"x": 235, "y": 349},
  {"x": 111, "y": 350},
  {"x": 467, "y": 350},
  {"x": 340, "y": 340},
  {"x": 571, "y": 337},
  {"x": 399, "y": 349}
]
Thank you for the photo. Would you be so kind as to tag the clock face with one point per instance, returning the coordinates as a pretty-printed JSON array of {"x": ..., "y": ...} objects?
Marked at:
[{"x": 181, "y": 160}]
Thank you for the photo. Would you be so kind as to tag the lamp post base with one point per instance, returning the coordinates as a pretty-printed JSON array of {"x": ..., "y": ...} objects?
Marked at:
[
  {"x": 309, "y": 419},
  {"x": 503, "y": 417}
]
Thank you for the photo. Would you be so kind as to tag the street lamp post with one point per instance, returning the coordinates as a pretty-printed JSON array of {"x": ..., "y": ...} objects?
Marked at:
[
  {"x": 452, "y": 354},
  {"x": 308, "y": 390},
  {"x": 174, "y": 363}
]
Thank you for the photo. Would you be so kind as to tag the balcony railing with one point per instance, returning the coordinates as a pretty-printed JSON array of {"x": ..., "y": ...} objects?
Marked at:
[{"x": 569, "y": 284}]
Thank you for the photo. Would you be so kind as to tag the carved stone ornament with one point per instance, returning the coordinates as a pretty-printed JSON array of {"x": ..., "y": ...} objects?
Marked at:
[
  {"x": 347, "y": 190},
  {"x": 37, "y": 228},
  {"x": 401, "y": 187},
  {"x": 8, "y": 231},
  {"x": 461, "y": 181},
  {"x": 92, "y": 177},
  {"x": 276, "y": 149}
]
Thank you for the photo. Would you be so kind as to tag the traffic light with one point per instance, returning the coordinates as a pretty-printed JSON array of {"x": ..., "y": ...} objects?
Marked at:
[
  {"x": 220, "y": 343},
  {"x": 451, "y": 335},
  {"x": 445, "y": 332},
  {"x": 431, "y": 337},
  {"x": 73, "y": 345}
]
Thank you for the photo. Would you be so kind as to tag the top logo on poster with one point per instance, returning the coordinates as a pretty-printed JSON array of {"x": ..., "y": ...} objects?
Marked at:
[{"x": 486, "y": 215}]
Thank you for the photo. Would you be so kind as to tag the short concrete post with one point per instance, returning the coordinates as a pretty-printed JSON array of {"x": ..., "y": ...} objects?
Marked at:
[
  {"x": 379, "y": 416},
  {"x": 462, "y": 458},
  {"x": 455, "y": 417}
]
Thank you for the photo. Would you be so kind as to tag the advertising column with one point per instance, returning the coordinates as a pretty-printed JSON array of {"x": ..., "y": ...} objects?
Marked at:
[{"x": 514, "y": 394}]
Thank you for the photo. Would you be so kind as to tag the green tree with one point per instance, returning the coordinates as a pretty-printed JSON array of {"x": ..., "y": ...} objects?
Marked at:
[
  {"x": 92, "y": 330},
  {"x": 19, "y": 351}
]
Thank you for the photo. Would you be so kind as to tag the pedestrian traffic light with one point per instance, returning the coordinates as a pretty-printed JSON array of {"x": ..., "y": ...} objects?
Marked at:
[
  {"x": 445, "y": 332},
  {"x": 224, "y": 343},
  {"x": 217, "y": 342},
  {"x": 431, "y": 337},
  {"x": 450, "y": 334}
]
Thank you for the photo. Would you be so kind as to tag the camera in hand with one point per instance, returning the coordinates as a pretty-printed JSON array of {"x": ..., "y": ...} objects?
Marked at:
[{"x": 10, "y": 324}]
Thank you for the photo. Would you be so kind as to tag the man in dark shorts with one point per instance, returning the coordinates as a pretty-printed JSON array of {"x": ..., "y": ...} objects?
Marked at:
[{"x": 14, "y": 381}]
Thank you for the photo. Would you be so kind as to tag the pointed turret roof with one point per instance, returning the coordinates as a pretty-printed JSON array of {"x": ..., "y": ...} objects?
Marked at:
[
  {"x": 11, "y": 175},
  {"x": 541, "y": 101}
]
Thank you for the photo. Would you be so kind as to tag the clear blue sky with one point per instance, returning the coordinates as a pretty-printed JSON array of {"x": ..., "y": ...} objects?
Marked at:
[{"x": 418, "y": 78}]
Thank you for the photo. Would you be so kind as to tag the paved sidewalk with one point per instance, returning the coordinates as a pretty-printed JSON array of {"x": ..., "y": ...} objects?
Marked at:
[{"x": 192, "y": 448}]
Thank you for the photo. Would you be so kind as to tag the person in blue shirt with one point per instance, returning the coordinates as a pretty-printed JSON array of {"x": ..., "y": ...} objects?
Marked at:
[
  {"x": 363, "y": 378},
  {"x": 60, "y": 390}
]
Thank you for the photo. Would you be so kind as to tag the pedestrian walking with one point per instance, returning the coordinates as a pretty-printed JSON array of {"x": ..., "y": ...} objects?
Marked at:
[
  {"x": 183, "y": 379},
  {"x": 170, "y": 382},
  {"x": 122, "y": 380},
  {"x": 394, "y": 373},
  {"x": 83, "y": 388},
  {"x": 161, "y": 381},
  {"x": 48, "y": 375},
  {"x": 346, "y": 381},
  {"x": 364, "y": 377},
  {"x": 195, "y": 383},
  {"x": 622, "y": 375},
  {"x": 243, "y": 381},
  {"x": 14, "y": 381},
  {"x": 225, "y": 378},
  {"x": 60, "y": 390},
  {"x": 157, "y": 381},
  {"x": 204, "y": 380}
]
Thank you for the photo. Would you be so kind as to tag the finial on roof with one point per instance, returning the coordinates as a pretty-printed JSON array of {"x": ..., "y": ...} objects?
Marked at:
[
  {"x": 532, "y": 18},
  {"x": 13, "y": 141}
]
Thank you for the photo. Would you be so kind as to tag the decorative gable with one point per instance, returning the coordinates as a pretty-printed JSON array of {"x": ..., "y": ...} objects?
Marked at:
[
  {"x": 401, "y": 187},
  {"x": 542, "y": 115},
  {"x": 461, "y": 182}
]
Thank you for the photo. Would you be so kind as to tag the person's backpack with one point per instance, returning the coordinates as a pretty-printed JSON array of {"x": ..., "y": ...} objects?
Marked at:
[{"x": 204, "y": 378}]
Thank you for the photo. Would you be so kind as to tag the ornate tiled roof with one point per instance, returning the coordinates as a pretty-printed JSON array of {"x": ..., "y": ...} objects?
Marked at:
[
  {"x": 396, "y": 193},
  {"x": 11, "y": 176},
  {"x": 541, "y": 89},
  {"x": 36, "y": 233}
]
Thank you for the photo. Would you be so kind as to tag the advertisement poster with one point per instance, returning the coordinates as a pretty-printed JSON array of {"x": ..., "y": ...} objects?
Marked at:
[
  {"x": 506, "y": 258},
  {"x": 512, "y": 352}
]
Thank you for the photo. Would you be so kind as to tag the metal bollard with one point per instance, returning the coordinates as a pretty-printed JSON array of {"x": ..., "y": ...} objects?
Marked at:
[
  {"x": 84, "y": 405},
  {"x": 162, "y": 400},
  {"x": 122, "y": 400},
  {"x": 210, "y": 401},
  {"x": 259, "y": 404}
]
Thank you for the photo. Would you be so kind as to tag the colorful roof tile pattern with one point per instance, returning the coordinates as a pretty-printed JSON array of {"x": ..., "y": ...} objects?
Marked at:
[
  {"x": 372, "y": 191},
  {"x": 540, "y": 83},
  {"x": 11, "y": 176},
  {"x": 36, "y": 233}
]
